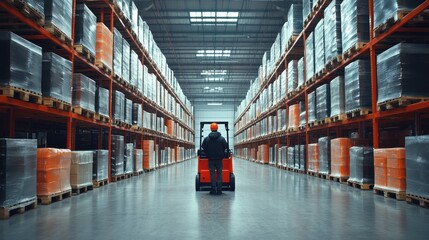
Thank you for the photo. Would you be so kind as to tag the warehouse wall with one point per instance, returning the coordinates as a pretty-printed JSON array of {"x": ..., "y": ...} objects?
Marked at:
[{"x": 205, "y": 113}]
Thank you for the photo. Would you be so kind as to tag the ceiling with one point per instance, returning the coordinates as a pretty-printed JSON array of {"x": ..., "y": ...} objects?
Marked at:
[{"x": 246, "y": 37}]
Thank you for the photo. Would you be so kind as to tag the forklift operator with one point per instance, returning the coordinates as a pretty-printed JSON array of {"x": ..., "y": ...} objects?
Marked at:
[{"x": 215, "y": 146}]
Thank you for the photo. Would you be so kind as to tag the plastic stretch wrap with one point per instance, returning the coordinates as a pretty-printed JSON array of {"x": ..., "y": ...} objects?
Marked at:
[
  {"x": 324, "y": 155},
  {"x": 301, "y": 78},
  {"x": 297, "y": 157},
  {"x": 100, "y": 166},
  {"x": 313, "y": 157},
  {"x": 133, "y": 68},
  {"x": 148, "y": 154},
  {"x": 312, "y": 107},
  {"x": 81, "y": 169},
  {"x": 117, "y": 155},
  {"x": 125, "y": 7},
  {"x": 128, "y": 111},
  {"x": 134, "y": 13},
  {"x": 319, "y": 46},
  {"x": 126, "y": 53},
  {"x": 17, "y": 170},
  {"x": 362, "y": 165},
  {"x": 323, "y": 102},
  {"x": 85, "y": 28},
  {"x": 291, "y": 157},
  {"x": 292, "y": 76},
  {"x": 53, "y": 171},
  {"x": 84, "y": 92},
  {"x": 309, "y": 57},
  {"x": 402, "y": 72},
  {"x": 117, "y": 52},
  {"x": 37, "y": 5},
  {"x": 104, "y": 46},
  {"x": 283, "y": 79},
  {"x": 333, "y": 37},
  {"x": 307, "y": 7},
  {"x": 56, "y": 77},
  {"x": 357, "y": 78},
  {"x": 140, "y": 76},
  {"x": 390, "y": 170},
  {"x": 354, "y": 24},
  {"x": 293, "y": 116},
  {"x": 129, "y": 158},
  {"x": 337, "y": 96},
  {"x": 388, "y": 9},
  {"x": 118, "y": 106},
  {"x": 140, "y": 34},
  {"x": 138, "y": 160},
  {"x": 417, "y": 162},
  {"x": 59, "y": 14},
  {"x": 294, "y": 21},
  {"x": 102, "y": 102},
  {"x": 281, "y": 119},
  {"x": 302, "y": 120},
  {"x": 340, "y": 157},
  {"x": 302, "y": 163},
  {"x": 20, "y": 63},
  {"x": 137, "y": 114}
]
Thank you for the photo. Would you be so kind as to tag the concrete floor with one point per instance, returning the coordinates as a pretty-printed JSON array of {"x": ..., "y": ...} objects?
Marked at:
[{"x": 269, "y": 203}]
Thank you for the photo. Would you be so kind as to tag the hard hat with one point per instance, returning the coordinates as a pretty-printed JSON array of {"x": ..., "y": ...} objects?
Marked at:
[{"x": 213, "y": 126}]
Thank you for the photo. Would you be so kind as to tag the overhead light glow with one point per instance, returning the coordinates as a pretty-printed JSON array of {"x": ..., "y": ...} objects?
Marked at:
[
  {"x": 214, "y": 104},
  {"x": 215, "y": 79},
  {"x": 213, "y": 53},
  {"x": 214, "y": 72},
  {"x": 213, "y": 17}
]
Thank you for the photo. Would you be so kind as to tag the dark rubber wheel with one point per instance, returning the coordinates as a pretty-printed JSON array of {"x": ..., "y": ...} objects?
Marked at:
[
  {"x": 232, "y": 183},
  {"x": 197, "y": 183}
]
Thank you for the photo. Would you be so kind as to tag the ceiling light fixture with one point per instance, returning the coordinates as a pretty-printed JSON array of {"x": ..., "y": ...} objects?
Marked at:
[
  {"x": 214, "y": 104},
  {"x": 213, "y": 17},
  {"x": 214, "y": 72}
]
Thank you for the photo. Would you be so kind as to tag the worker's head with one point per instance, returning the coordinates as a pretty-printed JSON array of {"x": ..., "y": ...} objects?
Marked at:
[{"x": 213, "y": 127}]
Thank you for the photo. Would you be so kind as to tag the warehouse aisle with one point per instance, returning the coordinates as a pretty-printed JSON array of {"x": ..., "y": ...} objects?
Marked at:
[{"x": 268, "y": 204}]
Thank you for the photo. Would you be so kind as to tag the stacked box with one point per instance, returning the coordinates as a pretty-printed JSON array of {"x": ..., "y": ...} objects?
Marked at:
[
  {"x": 100, "y": 165},
  {"x": 83, "y": 92},
  {"x": 133, "y": 69},
  {"x": 117, "y": 155},
  {"x": 126, "y": 66},
  {"x": 140, "y": 34},
  {"x": 293, "y": 116},
  {"x": 20, "y": 63},
  {"x": 134, "y": 17},
  {"x": 102, "y": 101},
  {"x": 324, "y": 144},
  {"x": 59, "y": 13},
  {"x": 307, "y": 7},
  {"x": 81, "y": 169},
  {"x": 148, "y": 154},
  {"x": 53, "y": 171},
  {"x": 137, "y": 114},
  {"x": 129, "y": 158},
  {"x": 281, "y": 119},
  {"x": 302, "y": 114},
  {"x": 128, "y": 111},
  {"x": 319, "y": 46},
  {"x": 337, "y": 96},
  {"x": 340, "y": 157},
  {"x": 354, "y": 24},
  {"x": 362, "y": 165},
  {"x": 401, "y": 72},
  {"x": 263, "y": 156},
  {"x": 389, "y": 9},
  {"x": 380, "y": 168},
  {"x": 85, "y": 28},
  {"x": 291, "y": 157},
  {"x": 301, "y": 77},
  {"x": 390, "y": 169},
  {"x": 283, "y": 89},
  {"x": 292, "y": 76},
  {"x": 323, "y": 102},
  {"x": 138, "y": 160},
  {"x": 294, "y": 21},
  {"x": 417, "y": 162},
  {"x": 297, "y": 153},
  {"x": 17, "y": 171},
  {"x": 309, "y": 57},
  {"x": 313, "y": 157},
  {"x": 312, "y": 107},
  {"x": 357, "y": 77},
  {"x": 117, "y": 52},
  {"x": 332, "y": 26},
  {"x": 56, "y": 77},
  {"x": 104, "y": 46},
  {"x": 302, "y": 159},
  {"x": 118, "y": 106}
]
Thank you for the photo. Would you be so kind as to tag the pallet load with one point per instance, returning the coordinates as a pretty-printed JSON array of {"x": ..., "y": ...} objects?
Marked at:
[
  {"x": 134, "y": 59},
  {"x": 312, "y": 107},
  {"x": 324, "y": 144},
  {"x": 148, "y": 155},
  {"x": 137, "y": 115},
  {"x": 263, "y": 154},
  {"x": 291, "y": 157},
  {"x": 126, "y": 58},
  {"x": 401, "y": 72},
  {"x": 323, "y": 102},
  {"x": 102, "y": 102},
  {"x": 53, "y": 174},
  {"x": 117, "y": 156},
  {"x": 313, "y": 158},
  {"x": 297, "y": 157},
  {"x": 117, "y": 53},
  {"x": 293, "y": 117},
  {"x": 302, "y": 115},
  {"x": 81, "y": 171},
  {"x": 417, "y": 162},
  {"x": 340, "y": 158},
  {"x": 141, "y": 70},
  {"x": 332, "y": 30},
  {"x": 83, "y": 92},
  {"x": 37, "y": 5},
  {"x": 56, "y": 78},
  {"x": 362, "y": 167},
  {"x": 307, "y": 7},
  {"x": 129, "y": 158},
  {"x": 17, "y": 175},
  {"x": 354, "y": 24},
  {"x": 58, "y": 16},
  {"x": 292, "y": 77},
  {"x": 21, "y": 54},
  {"x": 100, "y": 167},
  {"x": 138, "y": 161},
  {"x": 118, "y": 104},
  {"x": 357, "y": 78},
  {"x": 319, "y": 47},
  {"x": 134, "y": 17},
  {"x": 309, "y": 57},
  {"x": 85, "y": 30},
  {"x": 128, "y": 111},
  {"x": 293, "y": 25},
  {"x": 104, "y": 47},
  {"x": 302, "y": 158},
  {"x": 337, "y": 97}
]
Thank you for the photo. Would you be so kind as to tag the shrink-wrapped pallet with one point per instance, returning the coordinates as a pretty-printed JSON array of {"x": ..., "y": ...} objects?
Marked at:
[
  {"x": 357, "y": 78},
  {"x": 129, "y": 158},
  {"x": 126, "y": 63},
  {"x": 37, "y": 5},
  {"x": 313, "y": 157},
  {"x": 362, "y": 165},
  {"x": 137, "y": 114},
  {"x": 125, "y": 8},
  {"x": 391, "y": 9},
  {"x": 20, "y": 63},
  {"x": 302, "y": 120},
  {"x": 128, "y": 111},
  {"x": 302, "y": 158},
  {"x": 140, "y": 76},
  {"x": 57, "y": 77},
  {"x": 294, "y": 21},
  {"x": 102, "y": 101},
  {"x": 340, "y": 157},
  {"x": 85, "y": 28},
  {"x": 293, "y": 116},
  {"x": 18, "y": 169},
  {"x": 354, "y": 23},
  {"x": 323, "y": 102},
  {"x": 417, "y": 162},
  {"x": 81, "y": 169},
  {"x": 134, "y": 69},
  {"x": 309, "y": 57},
  {"x": 312, "y": 107},
  {"x": 291, "y": 157},
  {"x": 292, "y": 76},
  {"x": 83, "y": 92},
  {"x": 148, "y": 154},
  {"x": 307, "y": 7},
  {"x": 59, "y": 13},
  {"x": 118, "y": 104},
  {"x": 53, "y": 171},
  {"x": 332, "y": 26},
  {"x": 319, "y": 46},
  {"x": 301, "y": 78},
  {"x": 138, "y": 160},
  {"x": 297, "y": 157},
  {"x": 140, "y": 34},
  {"x": 104, "y": 46},
  {"x": 337, "y": 96},
  {"x": 117, "y": 52},
  {"x": 324, "y": 144},
  {"x": 134, "y": 17},
  {"x": 401, "y": 72},
  {"x": 100, "y": 165},
  {"x": 117, "y": 155}
]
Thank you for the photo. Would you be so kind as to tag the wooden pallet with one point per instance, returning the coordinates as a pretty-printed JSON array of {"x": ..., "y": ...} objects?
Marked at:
[
  {"x": 301, "y": 88},
  {"x": 7, "y": 211},
  {"x": 312, "y": 124},
  {"x": 339, "y": 179},
  {"x": 299, "y": 171},
  {"x": 310, "y": 81},
  {"x": 136, "y": 128},
  {"x": 48, "y": 199},
  {"x": 54, "y": 30},
  {"x": 128, "y": 175},
  {"x": 337, "y": 118},
  {"x": 118, "y": 178},
  {"x": 291, "y": 41},
  {"x": 399, "y": 102},
  {"x": 100, "y": 183},
  {"x": 323, "y": 121},
  {"x": 361, "y": 186},
  {"x": 57, "y": 104},
  {"x": 78, "y": 190},
  {"x": 314, "y": 174},
  {"x": 321, "y": 73},
  {"x": 399, "y": 15},
  {"x": 138, "y": 173},
  {"x": 302, "y": 128},
  {"x": 353, "y": 50},
  {"x": 21, "y": 94},
  {"x": 421, "y": 201},
  {"x": 334, "y": 63},
  {"x": 83, "y": 51},
  {"x": 317, "y": 6},
  {"x": 358, "y": 112},
  {"x": 292, "y": 93},
  {"x": 292, "y": 129},
  {"x": 324, "y": 176},
  {"x": 84, "y": 112},
  {"x": 28, "y": 11},
  {"x": 104, "y": 68},
  {"x": 101, "y": 118},
  {"x": 398, "y": 195}
]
